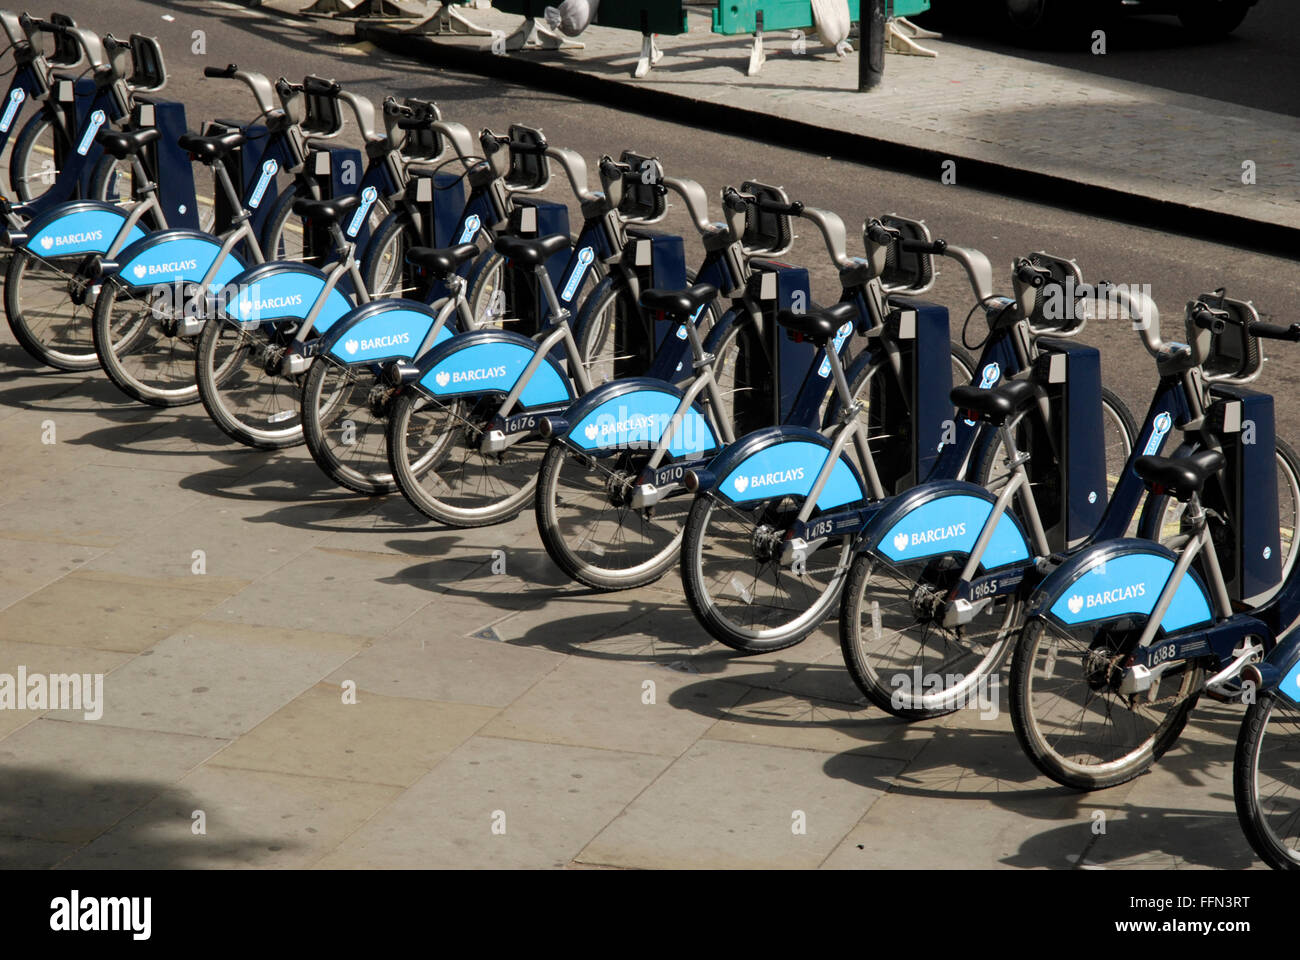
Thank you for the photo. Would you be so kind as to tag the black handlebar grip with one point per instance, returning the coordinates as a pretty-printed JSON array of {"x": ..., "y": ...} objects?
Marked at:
[
  {"x": 221, "y": 73},
  {"x": 878, "y": 233},
  {"x": 1276, "y": 331},
  {"x": 936, "y": 247},
  {"x": 1207, "y": 319},
  {"x": 321, "y": 87},
  {"x": 610, "y": 169},
  {"x": 782, "y": 209},
  {"x": 1026, "y": 272}
]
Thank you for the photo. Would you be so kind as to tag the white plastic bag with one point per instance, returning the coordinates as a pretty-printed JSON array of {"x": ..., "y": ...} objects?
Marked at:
[
  {"x": 831, "y": 17},
  {"x": 572, "y": 17}
]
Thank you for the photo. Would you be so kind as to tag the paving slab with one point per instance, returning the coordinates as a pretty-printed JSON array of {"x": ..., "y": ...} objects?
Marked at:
[
  {"x": 109, "y": 611},
  {"x": 217, "y": 679},
  {"x": 69, "y": 782},
  {"x": 548, "y": 799},
  {"x": 426, "y": 658},
  {"x": 737, "y": 805},
  {"x": 321, "y": 734},
  {"x": 614, "y": 706},
  {"x": 250, "y": 819}
]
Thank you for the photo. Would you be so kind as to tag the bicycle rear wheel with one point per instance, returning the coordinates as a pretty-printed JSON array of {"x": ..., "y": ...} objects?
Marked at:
[
  {"x": 139, "y": 347},
  {"x": 1266, "y": 780},
  {"x": 241, "y": 387},
  {"x": 456, "y": 482},
  {"x": 897, "y": 648},
  {"x": 42, "y": 314},
  {"x": 1070, "y": 716}
]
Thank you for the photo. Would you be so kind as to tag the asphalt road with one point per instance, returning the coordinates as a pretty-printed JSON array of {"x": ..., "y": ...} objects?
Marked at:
[{"x": 1176, "y": 268}]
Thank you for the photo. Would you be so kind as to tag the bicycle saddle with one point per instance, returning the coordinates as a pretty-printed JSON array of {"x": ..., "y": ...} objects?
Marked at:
[
  {"x": 996, "y": 404},
  {"x": 210, "y": 149},
  {"x": 679, "y": 303},
  {"x": 1179, "y": 476},
  {"x": 124, "y": 144},
  {"x": 526, "y": 252},
  {"x": 440, "y": 261},
  {"x": 818, "y": 324},
  {"x": 332, "y": 210}
]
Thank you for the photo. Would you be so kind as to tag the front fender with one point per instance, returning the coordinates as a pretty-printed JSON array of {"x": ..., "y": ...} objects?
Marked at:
[
  {"x": 78, "y": 227},
  {"x": 944, "y": 518},
  {"x": 635, "y": 413},
  {"x": 176, "y": 256},
  {"x": 1119, "y": 579},
  {"x": 382, "y": 330},
  {"x": 783, "y": 461},
  {"x": 283, "y": 291},
  {"x": 491, "y": 361}
]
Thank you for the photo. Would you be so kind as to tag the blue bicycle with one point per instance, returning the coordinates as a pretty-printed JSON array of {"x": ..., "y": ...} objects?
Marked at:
[{"x": 1121, "y": 639}]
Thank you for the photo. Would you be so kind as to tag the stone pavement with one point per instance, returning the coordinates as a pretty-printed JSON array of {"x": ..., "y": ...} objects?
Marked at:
[
  {"x": 1127, "y": 141},
  {"x": 510, "y": 700}
]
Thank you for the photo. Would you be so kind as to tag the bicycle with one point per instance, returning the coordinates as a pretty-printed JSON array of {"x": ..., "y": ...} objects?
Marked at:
[
  {"x": 496, "y": 472},
  {"x": 614, "y": 527},
  {"x": 749, "y": 560},
  {"x": 1114, "y": 626}
]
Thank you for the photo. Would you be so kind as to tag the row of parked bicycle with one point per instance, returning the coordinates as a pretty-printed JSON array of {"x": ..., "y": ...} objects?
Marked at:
[{"x": 796, "y": 462}]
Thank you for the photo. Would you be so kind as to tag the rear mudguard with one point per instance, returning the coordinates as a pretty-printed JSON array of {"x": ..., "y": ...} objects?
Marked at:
[
  {"x": 942, "y": 519},
  {"x": 491, "y": 361},
  {"x": 78, "y": 227},
  {"x": 176, "y": 256},
  {"x": 783, "y": 461},
  {"x": 283, "y": 291},
  {"x": 1280, "y": 670},
  {"x": 382, "y": 330},
  {"x": 635, "y": 413},
  {"x": 1119, "y": 579}
]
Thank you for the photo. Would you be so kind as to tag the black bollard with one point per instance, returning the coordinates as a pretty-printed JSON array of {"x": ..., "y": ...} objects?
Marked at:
[{"x": 871, "y": 42}]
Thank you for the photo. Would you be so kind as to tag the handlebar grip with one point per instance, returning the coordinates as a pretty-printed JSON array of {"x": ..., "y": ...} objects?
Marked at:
[
  {"x": 1276, "y": 331},
  {"x": 936, "y": 247},
  {"x": 1026, "y": 272},
  {"x": 733, "y": 199},
  {"x": 1207, "y": 319},
  {"x": 611, "y": 169},
  {"x": 878, "y": 233},
  {"x": 794, "y": 209},
  {"x": 221, "y": 73},
  {"x": 321, "y": 87}
]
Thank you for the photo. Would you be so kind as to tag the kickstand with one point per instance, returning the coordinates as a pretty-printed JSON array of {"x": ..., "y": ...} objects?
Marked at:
[
  {"x": 900, "y": 37},
  {"x": 757, "y": 55},
  {"x": 650, "y": 55},
  {"x": 536, "y": 34},
  {"x": 448, "y": 19}
]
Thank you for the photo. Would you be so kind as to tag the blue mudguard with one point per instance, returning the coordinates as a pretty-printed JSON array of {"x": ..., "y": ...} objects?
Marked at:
[
  {"x": 78, "y": 227},
  {"x": 635, "y": 413},
  {"x": 783, "y": 461},
  {"x": 1281, "y": 668},
  {"x": 283, "y": 291},
  {"x": 942, "y": 519},
  {"x": 491, "y": 361},
  {"x": 176, "y": 256},
  {"x": 1119, "y": 579},
  {"x": 382, "y": 330}
]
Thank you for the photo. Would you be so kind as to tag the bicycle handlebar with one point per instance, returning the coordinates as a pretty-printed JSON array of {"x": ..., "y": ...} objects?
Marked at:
[
  {"x": 256, "y": 82},
  {"x": 1276, "y": 331}
]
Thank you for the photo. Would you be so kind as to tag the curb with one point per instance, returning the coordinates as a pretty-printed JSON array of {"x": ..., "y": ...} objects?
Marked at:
[{"x": 1258, "y": 236}]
